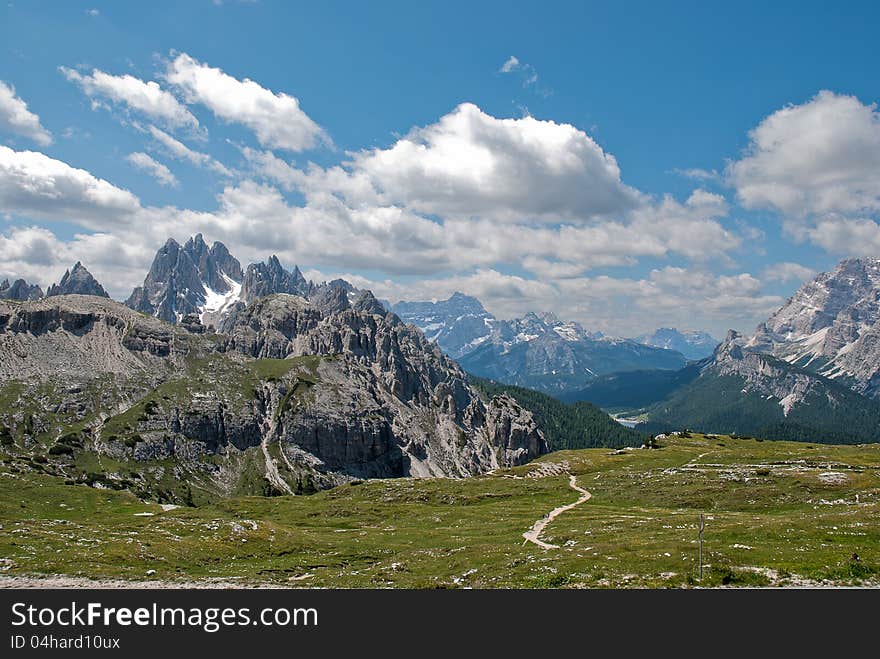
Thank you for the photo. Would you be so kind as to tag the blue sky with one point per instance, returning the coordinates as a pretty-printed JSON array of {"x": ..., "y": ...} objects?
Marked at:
[{"x": 626, "y": 193}]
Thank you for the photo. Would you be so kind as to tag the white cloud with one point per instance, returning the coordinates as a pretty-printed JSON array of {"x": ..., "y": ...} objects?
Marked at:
[
  {"x": 844, "y": 236},
  {"x": 93, "y": 13},
  {"x": 147, "y": 98},
  {"x": 518, "y": 170},
  {"x": 510, "y": 64},
  {"x": 819, "y": 157},
  {"x": 472, "y": 164},
  {"x": 699, "y": 174},
  {"x": 33, "y": 183},
  {"x": 17, "y": 119},
  {"x": 275, "y": 118},
  {"x": 787, "y": 271},
  {"x": 152, "y": 167},
  {"x": 181, "y": 151},
  {"x": 691, "y": 229},
  {"x": 526, "y": 72}
]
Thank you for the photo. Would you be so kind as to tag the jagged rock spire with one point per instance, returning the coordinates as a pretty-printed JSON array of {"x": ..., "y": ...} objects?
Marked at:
[{"x": 77, "y": 281}]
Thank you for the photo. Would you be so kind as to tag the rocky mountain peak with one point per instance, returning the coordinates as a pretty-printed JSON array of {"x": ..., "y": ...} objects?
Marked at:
[
  {"x": 458, "y": 324},
  {"x": 19, "y": 290},
  {"x": 693, "y": 344},
  {"x": 261, "y": 279},
  {"x": 366, "y": 302},
  {"x": 729, "y": 348},
  {"x": 332, "y": 298},
  {"x": 77, "y": 281},
  {"x": 831, "y": 326},
  {"x": 192, "y": 279}
]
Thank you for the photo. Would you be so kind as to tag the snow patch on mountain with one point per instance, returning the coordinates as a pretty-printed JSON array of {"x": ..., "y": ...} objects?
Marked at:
[{"x": 217, "y": 303}]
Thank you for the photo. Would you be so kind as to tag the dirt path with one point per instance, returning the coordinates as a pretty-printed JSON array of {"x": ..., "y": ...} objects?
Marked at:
[{"x": 534, "y": 534}]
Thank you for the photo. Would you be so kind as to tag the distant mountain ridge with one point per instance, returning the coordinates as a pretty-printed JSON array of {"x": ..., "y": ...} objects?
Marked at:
[
  {"x": 77, "y": 281},
  {"x": 458, "y": 325},
  {"x": 19, "y": 290},
  {"x": 693, "y": 344},
  {"x": 538, "y": 350}
]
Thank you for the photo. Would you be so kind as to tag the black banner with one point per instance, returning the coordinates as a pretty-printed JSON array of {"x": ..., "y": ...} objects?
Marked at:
[{"x": 137, "y": 622}]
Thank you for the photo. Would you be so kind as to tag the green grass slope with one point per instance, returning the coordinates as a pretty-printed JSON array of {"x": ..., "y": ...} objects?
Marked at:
[{"x": 777, "y": 513}]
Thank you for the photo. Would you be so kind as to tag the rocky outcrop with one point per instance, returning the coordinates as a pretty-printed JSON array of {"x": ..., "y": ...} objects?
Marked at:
[
  {"x": 19, "y": 290},
  {"x": 262, "y": 279},
  {"x": 763, "y": 374},
  {"x": 332, "y": 298},
  {"x": 77, "y": 281},
  {"x": 77, "y": 337},
  {"x": 513, "y": 431}
]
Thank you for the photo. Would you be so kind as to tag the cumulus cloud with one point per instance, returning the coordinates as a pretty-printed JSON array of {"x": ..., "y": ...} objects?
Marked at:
[
  {"x": 17, "y": 119},
  {"x": 33, "y": 183},
  {"x": 457, "y": 217},
  {"x": 819, "y": 157},
  {"x": 470, "y": 163},
  {"x": 181, "y": 151},
  {"x": 846, "y": 236},
  {"x": 157, "y": 170},
  {"x": 787, "y": 271},
  {"x": 147, "y": 98},
  {"x": 276, "y": 118}
]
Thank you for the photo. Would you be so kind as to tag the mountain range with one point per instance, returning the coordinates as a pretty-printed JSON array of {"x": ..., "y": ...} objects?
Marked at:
[
  {"x": 291, "y": 398},
  {"x": 19, "y": 290},
  {"x": 693, "y": 344},
  {"x": 205, "y": 283},
  {"x": 538, "y": 350},
  {"x": 811, "y": 371}
]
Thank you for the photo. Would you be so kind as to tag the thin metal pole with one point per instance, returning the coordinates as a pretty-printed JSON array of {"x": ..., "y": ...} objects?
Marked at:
[{"x": 701, "y": 546}]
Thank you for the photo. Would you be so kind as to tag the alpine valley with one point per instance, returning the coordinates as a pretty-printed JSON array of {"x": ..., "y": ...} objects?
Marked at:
[{"x": 144, "y": 430}]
